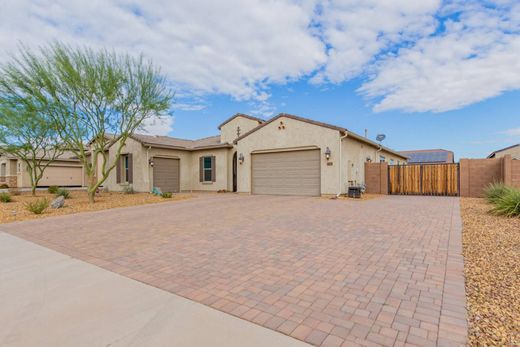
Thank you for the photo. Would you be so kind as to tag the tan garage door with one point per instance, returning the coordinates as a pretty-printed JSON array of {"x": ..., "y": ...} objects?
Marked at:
[
  {"x": 166, "y": 174},
  {"x": 286, "y": 173},
  {"x": 63, "y": 176}
]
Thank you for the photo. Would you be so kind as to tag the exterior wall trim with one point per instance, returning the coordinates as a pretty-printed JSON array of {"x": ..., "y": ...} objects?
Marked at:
[{"x": 285, "y": 149}]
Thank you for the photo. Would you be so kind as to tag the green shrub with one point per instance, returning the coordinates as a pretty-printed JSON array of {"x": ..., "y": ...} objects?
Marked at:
[
  {"x": 37, "y": 206},
  {"x": 53, "y": 189},
  {"x": 63, "y": 192},
  {"x": 495, "y": 191},
  {"x": 128, "y": 190},
  {"x": 5, "y": 197},
  {"x": 4, "y": 186},
  {"x": 166, "y": 195},
  {"x": 508, "y": 204}
]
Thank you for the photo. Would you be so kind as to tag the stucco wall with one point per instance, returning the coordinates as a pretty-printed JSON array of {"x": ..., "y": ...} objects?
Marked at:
[
  {"x": 228, "y": 132},
  {"x": 221, "y": 162},
  {"x": 296, "y": 134},
  {"x": 186, "y": 162},
  {"x": 189, "y": 167},
  {"x": 514, "y": 152},
  {"x": 355, "y": 155}
]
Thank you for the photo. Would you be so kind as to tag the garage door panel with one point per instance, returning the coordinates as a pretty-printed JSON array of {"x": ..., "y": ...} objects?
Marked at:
[
  {"x": 166, "y": 174},
  {"x": 286, "y": 173},
  {"x": 63, "y": 176}
]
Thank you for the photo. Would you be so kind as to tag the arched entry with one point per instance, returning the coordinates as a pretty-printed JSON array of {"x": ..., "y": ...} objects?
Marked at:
[{"x": 235, "y": 172}]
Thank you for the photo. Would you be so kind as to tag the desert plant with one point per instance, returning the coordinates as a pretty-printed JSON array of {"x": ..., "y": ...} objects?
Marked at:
[
  {"x": 63, "y": 192},
  {"x": 166, "y": 195},
  {"x": 508, "y": 204},
  {"x": 4, "y": 186},
  {"x": 92, "y": 99},
  {"x": 5, "y": 197},
  {"x": 128, "y": 190},
  {"x": 37, "y": 206},
  {"x": 53, "y": 189},
  {"x": 495, "y": 191}
]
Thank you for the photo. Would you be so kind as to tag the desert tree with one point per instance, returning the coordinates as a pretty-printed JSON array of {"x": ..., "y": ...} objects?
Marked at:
[
  {"x": 96, "y": 100},
  {"x": 26, "y": 132}
]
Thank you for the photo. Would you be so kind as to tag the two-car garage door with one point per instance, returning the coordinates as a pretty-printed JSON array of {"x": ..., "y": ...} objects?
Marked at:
[
  {"x": 286, "y": 173},
  {"x": 62, "y": 175}
]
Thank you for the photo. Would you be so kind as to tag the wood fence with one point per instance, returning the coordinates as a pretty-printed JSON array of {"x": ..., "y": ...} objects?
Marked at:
[{"x": 424, "y": 179}]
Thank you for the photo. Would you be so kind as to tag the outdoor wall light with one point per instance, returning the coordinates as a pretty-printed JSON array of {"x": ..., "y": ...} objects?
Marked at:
[
  {"x": 240, "y": 158},
  {"x": 327, "y": 153},
  {"x": 150, "y": 161}
]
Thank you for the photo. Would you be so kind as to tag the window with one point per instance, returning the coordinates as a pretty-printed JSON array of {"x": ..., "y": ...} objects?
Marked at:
[
  {"x": 3, "y": 169},
  {"x": 391, "y": 162},
  {"x": 207, "y": 169},
  {"x": 126, "y": 168},
  {"x": 382, "y": 158}
]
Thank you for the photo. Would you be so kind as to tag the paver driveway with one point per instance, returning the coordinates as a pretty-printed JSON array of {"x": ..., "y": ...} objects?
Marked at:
[{"x": 386, "y": 271}]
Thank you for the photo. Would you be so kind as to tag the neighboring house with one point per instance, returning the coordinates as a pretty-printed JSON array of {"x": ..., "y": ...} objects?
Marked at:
[
  {"x": 66, "y": 171},
  {"x": 429, "y": 156},
  {"x": 513, "y": 150},
  {"x": 286, "y": 155}
]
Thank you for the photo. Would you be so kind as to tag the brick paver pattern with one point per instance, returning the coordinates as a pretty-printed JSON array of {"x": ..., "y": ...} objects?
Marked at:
[{"x": 381, "y": 272}]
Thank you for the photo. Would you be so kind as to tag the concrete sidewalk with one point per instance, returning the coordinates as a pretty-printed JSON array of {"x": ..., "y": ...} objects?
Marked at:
[{"x": 49, "y": 299}]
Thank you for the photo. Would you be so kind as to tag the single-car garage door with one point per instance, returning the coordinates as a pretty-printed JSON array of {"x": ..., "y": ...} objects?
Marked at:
[
  {"x": 63, "y": 176},
  {"x": 166, "y": 174},
  {"x": 286, "y": 173}
]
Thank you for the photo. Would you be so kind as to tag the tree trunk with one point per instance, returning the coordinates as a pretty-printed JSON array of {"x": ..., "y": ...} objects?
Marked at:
[
  {"x": 91, "y": 196},
  {"x": 33, "y": 190}
]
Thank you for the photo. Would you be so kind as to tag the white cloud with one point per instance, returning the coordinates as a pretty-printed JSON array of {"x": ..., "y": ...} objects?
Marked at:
[
  {"x": 474, "y": 59},
  {"x": 512, "y": 132},
  {"x": 241, "y": 48},
  {"x": 157, "y": 125},
  {"x": 356, "y": 31},
  {"x": 230, "y": 47},
  {"x": 188, "y": 107}
]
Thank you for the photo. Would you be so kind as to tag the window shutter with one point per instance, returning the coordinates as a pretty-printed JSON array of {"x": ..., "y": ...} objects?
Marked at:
[
  {"x": 118, "y": 170},
  {"x": 130, "y": 177},
  {"x": 201, "y": 169},
  {"x": 213, "y": 169}
]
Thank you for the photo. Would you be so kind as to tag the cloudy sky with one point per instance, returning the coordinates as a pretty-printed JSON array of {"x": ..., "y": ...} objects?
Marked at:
[{"x": 428, "y": 74}]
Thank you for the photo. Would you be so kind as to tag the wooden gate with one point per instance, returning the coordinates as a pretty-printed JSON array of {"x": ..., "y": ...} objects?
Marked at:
[{"x": 424, "y": 179}]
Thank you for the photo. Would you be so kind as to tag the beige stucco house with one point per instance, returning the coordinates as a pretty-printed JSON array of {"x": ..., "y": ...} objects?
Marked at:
[
  {"x": 286, "y": 155},
  {"x": 513, "y": 151},
  {"x": 66, "y": 171}
]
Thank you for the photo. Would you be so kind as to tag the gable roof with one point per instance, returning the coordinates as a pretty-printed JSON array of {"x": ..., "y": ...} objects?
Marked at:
[
  {"x": 325, "y": 125},
  {"x": 492, "y": 155},
  {"x": 182, "y": 144},
  {"x": 429, "y": 156},
  {"x": 259, "y": 120}
]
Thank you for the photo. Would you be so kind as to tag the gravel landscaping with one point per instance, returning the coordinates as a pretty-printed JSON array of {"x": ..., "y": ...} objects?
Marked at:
[
  {"x": 491, "y": 261},
  {"x": 78, "y": 202}
]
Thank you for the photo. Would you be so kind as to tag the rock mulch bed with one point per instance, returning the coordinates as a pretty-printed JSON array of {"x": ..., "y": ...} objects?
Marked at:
[
  {"x": 492, "y": 267},
  {"x": 78, "y": 202}
]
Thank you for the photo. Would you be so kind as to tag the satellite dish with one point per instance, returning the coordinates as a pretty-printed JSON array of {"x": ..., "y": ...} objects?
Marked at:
[{"x": 380, "y": 137}]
